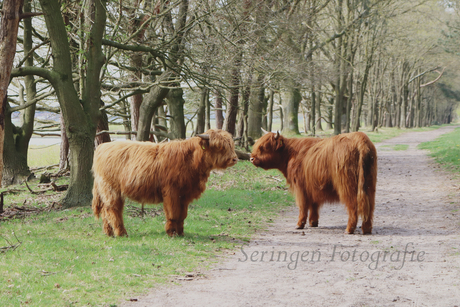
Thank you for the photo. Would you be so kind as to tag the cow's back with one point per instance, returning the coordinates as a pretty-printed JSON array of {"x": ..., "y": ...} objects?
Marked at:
[
  {"x": 122, "y": 167},
  {"x": 333, "y": 163}
]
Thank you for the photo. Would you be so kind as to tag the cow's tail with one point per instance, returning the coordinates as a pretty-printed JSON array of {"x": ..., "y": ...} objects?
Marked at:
[
  {"x": 97, "y": 203},
  {"x": 366, "y": 183}
]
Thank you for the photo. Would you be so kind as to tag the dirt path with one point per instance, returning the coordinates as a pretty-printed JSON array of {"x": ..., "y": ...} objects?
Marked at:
[{"x": 416, "y": 211}]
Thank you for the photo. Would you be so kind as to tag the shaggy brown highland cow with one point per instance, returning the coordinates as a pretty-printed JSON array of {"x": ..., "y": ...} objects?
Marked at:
[
  {"x": 174, "y": 173},
  {"x": 342, "y": 168}
]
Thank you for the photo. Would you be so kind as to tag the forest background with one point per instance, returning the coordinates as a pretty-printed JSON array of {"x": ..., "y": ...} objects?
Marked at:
[{"x": 171, "y": 69}]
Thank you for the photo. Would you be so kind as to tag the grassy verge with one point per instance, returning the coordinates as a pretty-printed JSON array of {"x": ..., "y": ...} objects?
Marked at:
[
  {"x": 64, "y": 259},
  {"x": 446, "y": 150}
]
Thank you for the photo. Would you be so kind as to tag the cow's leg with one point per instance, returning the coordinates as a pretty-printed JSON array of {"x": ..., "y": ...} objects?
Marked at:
[
  {"x": 314, "y": 215},
  {"x": 367, "y": 225},
  {"x": 352, "y": 217},
  {"x": 98, "y": 207},
  {"x": 172, "y": 208},
  {"x": 183, "y": 216},
  {"x": 114, "y": 216},
  {"x": 108, "y": 230},
  {"x": 303, "y": 209}
]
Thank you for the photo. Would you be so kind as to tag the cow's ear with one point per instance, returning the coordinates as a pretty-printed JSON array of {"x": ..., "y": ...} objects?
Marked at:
[
  {"x": 279, "y": 142},
  {"x": 204, "y": 142}
]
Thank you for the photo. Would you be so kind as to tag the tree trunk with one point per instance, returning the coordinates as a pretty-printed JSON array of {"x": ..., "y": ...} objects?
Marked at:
[
  {"x": 392, "y": 102},
  {"x": 256, "y": 105},
  {"x": 15, "y": 169},
  {"x": 362, "y": 89},
  {"x": 176, "y": 102},
  {"x": 291, "y": 111},
  {"x": 375, "y": 115},
  {"x": 349, "y": 103},
  {"x": 208, "y": 112},
  {"x": 418, "y": 117},
  {"x": 271, "y": 101},
  {"x": 17, "y": 139},
  {"x": 330, "y": 115},
  {"x": 136, "y": 62},
  {"x": 160, "y": 120},
  {"x": 152, "y": 100},
  {"x": 232, "y": 105},
  {"x": 9, "y": 24},
  {"x": 243, "y": 118},
  {"x": 218, "y": 108},
  {"x": 319, "y": 127},
  {"x": 64, "y": 146},
  {"x": 201, "y": 114},
  {"x": 80, "y": 116},
  {"x": 339, "y": 68},
  {"x": 102, "y": 125}
]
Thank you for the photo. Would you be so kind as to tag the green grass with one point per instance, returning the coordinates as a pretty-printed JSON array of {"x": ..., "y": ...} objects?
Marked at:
[
  {"x": 446, "y": 150},
  {"x": 43, "y": 155},
  {"x": 384, "y": 133},
  {"x": 394, "y": 147},
  {"x": 401, "y": 147},
  {"x": 65, "y": 259}
]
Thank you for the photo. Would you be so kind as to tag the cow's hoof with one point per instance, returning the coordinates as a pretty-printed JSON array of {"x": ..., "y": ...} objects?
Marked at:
[
  {"x": 172, "y": 233},
  {"x": 300, "y": 226},
  {"x": 314, "y": 224}
]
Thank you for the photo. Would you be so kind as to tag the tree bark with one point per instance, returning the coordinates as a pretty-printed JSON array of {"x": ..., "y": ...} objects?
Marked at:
[
  {"x": 339, "y": 65},
  {"x": 102, "y": 125},
  {"x": 149, "y": 105},
  {"x": 9, "y": 24},
  {"x": 256, "y": 105},
  {"x": 64, "y": 146},
  {"x": 330, "y": 115},
  {"x": 136, "y": 62},
  {"x": 232, "y": 105},
  {"x": 271, "y": 102},
  {"x": 291, "y": 111},
  {"x": 244, "y": 112},
  {"x": 208, "y": 112},
  {"x": 201, "y": 114},
  {"x": 218, "y": 108},
  {"x": 418, "y": 115},
  {"x": 176, "y": 102},
  {"x": 319, "y": 127},
  {"x": 17, "y": 139}
]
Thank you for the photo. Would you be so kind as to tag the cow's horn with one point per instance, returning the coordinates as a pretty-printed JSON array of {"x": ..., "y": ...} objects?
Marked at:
[
  {"x": 264, "y": 131},
  {"x": 203, "y": 136},
  {"x": 277, "y": 135}
]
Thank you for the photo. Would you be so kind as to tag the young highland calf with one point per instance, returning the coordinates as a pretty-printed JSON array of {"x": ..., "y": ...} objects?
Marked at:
[
  {"x": 342, "y": 168},
  {"x": 174, "y": 173}
]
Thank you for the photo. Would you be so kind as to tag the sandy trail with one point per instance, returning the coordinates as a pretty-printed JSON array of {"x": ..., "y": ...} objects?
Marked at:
[{"x": 416, "y": 211}]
